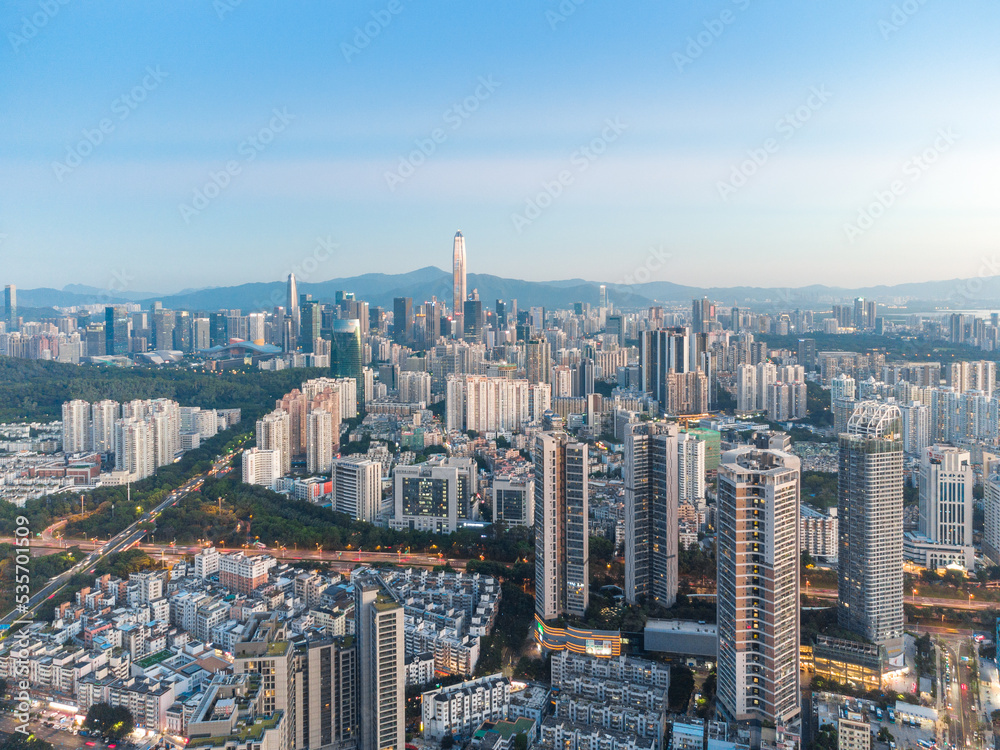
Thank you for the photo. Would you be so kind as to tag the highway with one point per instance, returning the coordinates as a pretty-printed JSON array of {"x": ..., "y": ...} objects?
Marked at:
[
  {"x": 127, "y": 537},
  {"x": 920, "y": 601}
]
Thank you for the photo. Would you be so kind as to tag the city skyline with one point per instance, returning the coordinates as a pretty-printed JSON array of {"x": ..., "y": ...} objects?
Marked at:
[{"x": 650, "y": 124}]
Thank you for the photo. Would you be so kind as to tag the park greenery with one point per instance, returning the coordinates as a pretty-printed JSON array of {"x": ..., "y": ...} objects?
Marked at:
[
  {"x": 517, "y": 612},
  {"x": 34, "y": 390},
  {"x": 113, "y": 722},
  {"x": 109, "y": 510},
  {"x": 253, "y": 514},
  {"x": 921, "y": 348},
  {"x": 21, "y": 741},
  {"x": 41, "y": 570}
]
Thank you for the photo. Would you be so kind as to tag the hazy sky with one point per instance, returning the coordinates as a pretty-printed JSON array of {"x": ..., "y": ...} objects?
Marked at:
[{"x": 753, "y": 143}]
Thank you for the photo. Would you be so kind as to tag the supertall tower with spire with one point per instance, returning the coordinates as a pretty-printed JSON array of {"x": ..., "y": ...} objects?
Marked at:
[{"x": 458, "y": 258}]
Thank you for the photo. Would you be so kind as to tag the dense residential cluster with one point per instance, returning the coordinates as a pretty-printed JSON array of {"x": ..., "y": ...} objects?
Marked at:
[{"x": 656, "y": 456}]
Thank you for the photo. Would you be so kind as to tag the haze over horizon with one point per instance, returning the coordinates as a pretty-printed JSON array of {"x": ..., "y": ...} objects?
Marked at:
[{"x": 745, "y": 148}]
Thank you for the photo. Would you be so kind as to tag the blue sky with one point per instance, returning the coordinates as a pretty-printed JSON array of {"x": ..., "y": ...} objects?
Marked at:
[{"x": 780, "y": 143}]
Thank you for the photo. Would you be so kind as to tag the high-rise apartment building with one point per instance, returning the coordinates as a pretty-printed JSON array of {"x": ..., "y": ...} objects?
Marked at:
[
  {"x": 135, "y": 451},
  {"x": 870, "y": 511},
  {"x": 381, "y": 668},
  {"x": 758, "y": 584},
  {"x": 991, "y": 525},
  {"x": 264, "y": 649},
  {"x": 562, "y": 548},
  {"x": 321, "y": 440},
  {"x": 651, "y": 484},
  {"x": 76, "y": 427},
  {"x": 702, "y": 315},
  {"x": 538, "y": 361},
  {"x": 326, "y": 692},
  {"x": 357, "y": 487},
  {"x": 486, "y": 404},
  {"x": 274, "y": 433},
  {"x": 102, "y": 425},
  {"x": 691, "y": 469}
]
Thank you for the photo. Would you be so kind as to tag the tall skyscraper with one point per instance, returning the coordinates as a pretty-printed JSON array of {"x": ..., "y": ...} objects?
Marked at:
[
  {"x": 310, "y": 322},
  {"x": 661, "y": 351},
  {"x": 758, "y": 584},
  {"x": 870, "y": 509},
  {"x": 562, "y": 548},
  {"x": 381, "y": 654},
  {"x": 538, "y": 361},
  {"x": 402, "y": 319},
  {"x": 459, "y": 273},
  {"x": 10, "y": 306},
  {"x": 702, "y": 315},
  {"x": 326, "y": 700},
  {"x": 116, "y": 330},
  {"x": 292, "y": 305},
  {"x": 501, "y": 310},
  {"x": 651, "y": 513},
  {"x": 473, "y": 320},
  {"x": 346, "y": 359}
]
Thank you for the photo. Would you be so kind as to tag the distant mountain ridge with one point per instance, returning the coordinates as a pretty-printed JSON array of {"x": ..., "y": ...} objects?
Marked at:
[{"x": 422, "y": 284}]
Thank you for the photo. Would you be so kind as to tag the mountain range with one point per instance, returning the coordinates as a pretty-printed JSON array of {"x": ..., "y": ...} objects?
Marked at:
[{"x": 424, "y": 283}]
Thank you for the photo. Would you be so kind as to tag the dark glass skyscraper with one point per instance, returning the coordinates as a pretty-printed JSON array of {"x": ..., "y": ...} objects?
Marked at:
[
  {"x": 116, "y": 324},
  {"x": 310, "y": 322},
  {"x": 346, "y": 359},
  {"x": 473, "y": 319},
  {"x": 402, "y": 319}
]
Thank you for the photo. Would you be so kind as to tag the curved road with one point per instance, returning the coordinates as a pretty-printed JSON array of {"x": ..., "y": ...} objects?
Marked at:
[{"x": 123, "y": 540}]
